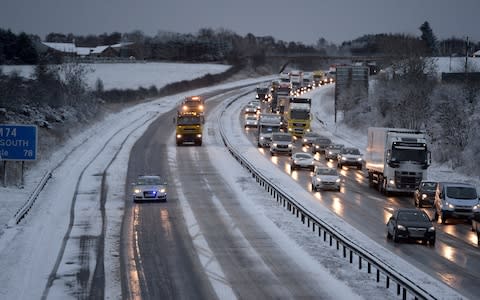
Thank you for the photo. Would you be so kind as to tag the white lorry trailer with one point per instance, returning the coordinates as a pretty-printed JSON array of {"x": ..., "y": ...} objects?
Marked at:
[{"x": 396, "y": 159}]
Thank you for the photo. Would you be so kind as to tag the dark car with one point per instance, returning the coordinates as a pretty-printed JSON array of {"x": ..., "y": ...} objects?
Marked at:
[
  {"x": 319, "y": 144},
  {"x": 411, "y": 224},
  {"x": 476, "y": 225},
  {"x": 425, "y": 193}
]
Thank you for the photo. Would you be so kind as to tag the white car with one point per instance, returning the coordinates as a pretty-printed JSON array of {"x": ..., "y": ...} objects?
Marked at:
[
  {"x": 325, "y": 178},
  {"x": 256, "y": 103},
  {"x": 302, "y": 160},
  {"x": 251, "y": 121},
  {"x": 149, "y": 188},
  {"x": 250, "y": 109},
  {"x": 282, "y": 142}
]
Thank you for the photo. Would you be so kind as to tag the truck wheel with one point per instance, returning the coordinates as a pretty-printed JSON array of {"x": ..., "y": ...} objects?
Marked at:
[
  {"x": 370, "y": 179},
  {"x": 444, "y": 217},
  {"x": 380, "y": 184}
]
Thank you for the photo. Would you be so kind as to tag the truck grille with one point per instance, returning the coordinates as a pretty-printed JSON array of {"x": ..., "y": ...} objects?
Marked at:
[{"x": 407, "y": 180}]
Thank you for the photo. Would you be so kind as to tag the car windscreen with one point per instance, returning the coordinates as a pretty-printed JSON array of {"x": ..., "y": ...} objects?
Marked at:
[
  {"x": 351, "y": 151},
  {"x": 323, "y": 141},
  {"x": 335, "y": 147},
  {"x": 461, "y": 192},
  {"x": 148, "y": 181},
  {"x": 430, "y": 186},
  {"x": 413, "y": 216},
  {"x": 282, "y": 138},
  {"x": 303, "y": 156},
  {"x": 326, "y": 172}
]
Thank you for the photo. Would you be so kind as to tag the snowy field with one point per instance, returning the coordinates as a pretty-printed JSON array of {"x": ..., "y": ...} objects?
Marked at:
[{"x": 134, "y": 75}]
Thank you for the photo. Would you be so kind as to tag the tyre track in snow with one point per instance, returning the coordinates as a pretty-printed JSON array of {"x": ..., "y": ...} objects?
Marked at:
[{"x": 89, "y": 279}]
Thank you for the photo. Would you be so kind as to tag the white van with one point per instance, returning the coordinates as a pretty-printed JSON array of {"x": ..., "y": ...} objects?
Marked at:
[{"x": 455, "y": 200}]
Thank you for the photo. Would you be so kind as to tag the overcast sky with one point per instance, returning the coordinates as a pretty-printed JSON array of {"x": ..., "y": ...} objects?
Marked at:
[{"x": 300, "y": 21}]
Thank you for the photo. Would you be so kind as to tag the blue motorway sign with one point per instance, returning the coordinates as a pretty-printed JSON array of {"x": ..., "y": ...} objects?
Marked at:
[{"x": 18, "y": 142}]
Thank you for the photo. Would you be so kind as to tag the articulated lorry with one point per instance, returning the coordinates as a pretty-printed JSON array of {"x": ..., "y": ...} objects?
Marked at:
[
  {"x": 396, "y": 159},
  {"x": 298, "y": 116}
]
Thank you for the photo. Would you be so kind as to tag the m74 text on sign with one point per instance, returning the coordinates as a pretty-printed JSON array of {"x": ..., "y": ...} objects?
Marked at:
[{"x": 18, "y": 142}]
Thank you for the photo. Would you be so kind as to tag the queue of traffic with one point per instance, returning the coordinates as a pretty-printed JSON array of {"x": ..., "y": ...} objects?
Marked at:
[{"x": 396, "y": 160}]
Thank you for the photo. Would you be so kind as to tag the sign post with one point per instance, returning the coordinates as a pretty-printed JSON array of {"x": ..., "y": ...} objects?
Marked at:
[{"x": 18, "y": 142}]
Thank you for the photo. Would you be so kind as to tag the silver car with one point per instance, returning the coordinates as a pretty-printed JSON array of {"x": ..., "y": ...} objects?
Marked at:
[
  {"x": 302, "y": 160},
  {"x": 325, "y": 178},
  {"x": 282, "y": 142},
  {"x": 149, "y": 188},
  {"x": 251, "y": 121}
]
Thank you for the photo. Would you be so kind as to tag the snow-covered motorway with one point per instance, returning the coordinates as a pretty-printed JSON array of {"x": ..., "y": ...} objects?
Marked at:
[
  {"x": 367, "y": 210},
  {"x": 220, "y": 235}
]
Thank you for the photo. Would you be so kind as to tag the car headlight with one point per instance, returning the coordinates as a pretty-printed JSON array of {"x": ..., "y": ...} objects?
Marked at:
[
  {"x": 304, "y": 140},
  {"x": 338, "y": 180},
  {"x": 318, "y": 179},
  {"x": 431, "y": 229},
  {"x": 274, "y": 144},
  {"x": 344, "y": 158},
  {"x": 261, "y": 137},
  {"x": 290, "y": 145},
  {"x": 199, "y": 135},
  {"x": 163, "y": 190},
  {"x": 476, "y": 207},
  {"x": 330, "y": 153},
  {"x": 179, "y": 136},
  {"x": 424, "y": 196},
  {"x": 450, "y": 205},
  {"x": 400, "y": 227},
  {"x": 359, "y": 159},
  {"x": 137, "y": 191}
]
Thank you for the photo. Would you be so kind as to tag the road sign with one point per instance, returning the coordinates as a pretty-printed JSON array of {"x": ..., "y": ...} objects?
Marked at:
[{"x": 18, "y": 142}]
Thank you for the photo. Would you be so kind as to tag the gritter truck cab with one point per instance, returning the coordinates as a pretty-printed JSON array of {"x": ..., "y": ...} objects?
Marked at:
[
  {"x": 192, "y": 105},
  {"x": 396, "y": 158},
  {"x": 189, "y": 129}
]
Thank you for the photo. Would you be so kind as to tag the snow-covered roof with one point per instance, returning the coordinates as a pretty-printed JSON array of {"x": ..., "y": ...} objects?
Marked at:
[
  {"x": 82, "y": 51},
  {"x": 476, "y": 53},
  {"x": 119, "y": 45},
  {"x": 99, "y": 49},
  {"x": 63, "y": 47}
]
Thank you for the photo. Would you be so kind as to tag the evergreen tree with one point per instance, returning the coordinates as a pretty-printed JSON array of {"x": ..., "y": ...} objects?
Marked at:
[
  {"x": 429, "y": 38},
  {"x": 25, "y": 50}
]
